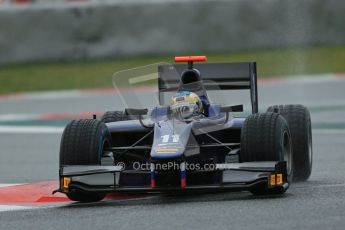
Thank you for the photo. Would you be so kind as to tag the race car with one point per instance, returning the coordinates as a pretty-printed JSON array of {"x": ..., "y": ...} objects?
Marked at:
[{"x": 185, "y": 139}]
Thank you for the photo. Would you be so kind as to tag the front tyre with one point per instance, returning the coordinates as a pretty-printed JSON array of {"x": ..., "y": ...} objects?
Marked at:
[
  {"x": 82, "y": 143},
  {"x": 266, "y": 137},
  {"x": 81, "y": 196}
]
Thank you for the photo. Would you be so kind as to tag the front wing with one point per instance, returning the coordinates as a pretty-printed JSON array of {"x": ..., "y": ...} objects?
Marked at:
[{"x": 235, "y": 177}]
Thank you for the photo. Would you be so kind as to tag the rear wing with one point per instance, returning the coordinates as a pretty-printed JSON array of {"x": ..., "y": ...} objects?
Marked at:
[{"x": 215, "y": 76}]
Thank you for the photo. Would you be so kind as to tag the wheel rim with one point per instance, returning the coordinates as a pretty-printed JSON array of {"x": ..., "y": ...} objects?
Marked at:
[{"x": 287, "y": 152}]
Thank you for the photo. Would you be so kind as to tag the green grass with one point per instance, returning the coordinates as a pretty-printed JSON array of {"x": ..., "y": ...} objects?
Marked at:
[{"x": 97, "y": 73}]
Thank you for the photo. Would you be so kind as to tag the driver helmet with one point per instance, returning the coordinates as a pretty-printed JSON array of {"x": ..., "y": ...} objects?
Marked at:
[{"x": 186, "y": 105}]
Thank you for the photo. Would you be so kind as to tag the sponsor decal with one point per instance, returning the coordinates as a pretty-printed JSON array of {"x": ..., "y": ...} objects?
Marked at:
[{"x": 165, "y": 150}]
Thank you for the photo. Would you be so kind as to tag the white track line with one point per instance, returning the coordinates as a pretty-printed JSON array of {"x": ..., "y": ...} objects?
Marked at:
[
  {"x": 301, "y": 79},
  {"x": 328, "y": 131},
  {"x": 7, "y": 185},
  {"x": 19, "y": 117},
  {"x": 5, "y": 208},
  {"x": 31, "y": 129}
]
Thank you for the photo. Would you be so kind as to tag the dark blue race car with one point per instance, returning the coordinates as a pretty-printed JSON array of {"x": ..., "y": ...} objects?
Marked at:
[{"x": 184, "y": 138}]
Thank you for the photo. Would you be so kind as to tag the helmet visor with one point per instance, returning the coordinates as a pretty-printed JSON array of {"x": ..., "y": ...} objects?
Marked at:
[{"x": 183, "y": 110}]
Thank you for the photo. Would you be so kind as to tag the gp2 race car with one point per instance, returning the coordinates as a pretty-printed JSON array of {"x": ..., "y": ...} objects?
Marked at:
[{"x": 190, "y": 141}]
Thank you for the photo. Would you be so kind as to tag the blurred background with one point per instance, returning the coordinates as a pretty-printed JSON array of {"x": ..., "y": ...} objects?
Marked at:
[
  {"x": 57, "y": 58},
  {"x": 68, "y": 44}
]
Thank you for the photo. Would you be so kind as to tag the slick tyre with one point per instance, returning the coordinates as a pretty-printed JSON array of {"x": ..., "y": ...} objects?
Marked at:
[
  {"x": 266, "y": 137},
  {"x": 298, "y": 119}
]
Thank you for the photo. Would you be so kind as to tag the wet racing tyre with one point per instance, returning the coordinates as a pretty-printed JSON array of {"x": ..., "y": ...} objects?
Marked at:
[
  {"x": 298, "y": 118},
  {"x": 113, "y": 116},
  {"x": 266, "y": 137},
  {"x": 82, "y": 143}
]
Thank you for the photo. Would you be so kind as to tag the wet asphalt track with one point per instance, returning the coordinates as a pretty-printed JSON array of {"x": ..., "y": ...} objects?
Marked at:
[{"x": 316, "y": 204}]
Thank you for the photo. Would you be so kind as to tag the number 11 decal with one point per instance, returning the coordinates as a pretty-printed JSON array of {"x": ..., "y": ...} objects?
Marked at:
[{"x": 174, "y": 138}]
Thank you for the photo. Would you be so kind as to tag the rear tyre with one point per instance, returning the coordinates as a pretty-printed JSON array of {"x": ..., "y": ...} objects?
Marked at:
[
  {"x": 113, "y": 116},
  {"x": 82, "y": 143},
  {"x": 266, "y": 137},
  {"x": 298, "y": 118}
]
